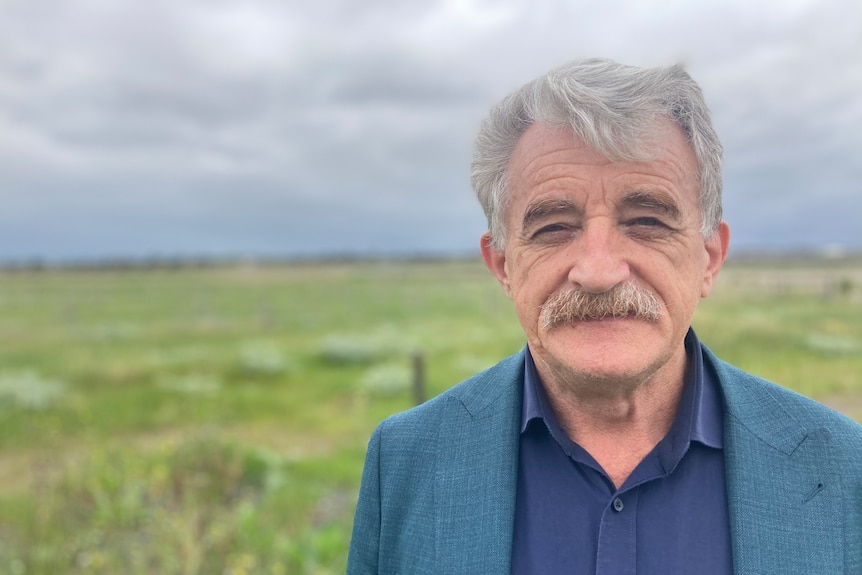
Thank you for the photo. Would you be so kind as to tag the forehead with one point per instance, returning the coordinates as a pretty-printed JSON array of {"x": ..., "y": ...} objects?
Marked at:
[{"x": 554, "y": 160}]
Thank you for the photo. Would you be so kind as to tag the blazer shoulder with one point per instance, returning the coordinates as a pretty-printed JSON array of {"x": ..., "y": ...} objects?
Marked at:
[
  {"x": 754, "y": 400},
  {"x": 477, "y": 395}
]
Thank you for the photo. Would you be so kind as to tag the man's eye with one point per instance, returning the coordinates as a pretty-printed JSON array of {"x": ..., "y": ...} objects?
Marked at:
[
  {"x": 649, "y": 228},
  {"x": 552, "y": 233},
  {"x": 647, "y": 221},
  {"x": 552, "y": 228}
]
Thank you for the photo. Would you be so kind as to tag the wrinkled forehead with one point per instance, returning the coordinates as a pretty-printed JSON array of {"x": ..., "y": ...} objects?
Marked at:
[
  {"x": 548, "y": 158},
  {"x": 542, "y": 140}
]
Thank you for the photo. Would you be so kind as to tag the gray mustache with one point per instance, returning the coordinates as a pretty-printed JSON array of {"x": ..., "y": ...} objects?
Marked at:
[{"x": 624, "y": 300}]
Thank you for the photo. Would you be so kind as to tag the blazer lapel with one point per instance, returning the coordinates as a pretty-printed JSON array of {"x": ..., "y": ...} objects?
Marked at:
[
  {"x": 784, "y": 496},
  {"x": 476, "y": 474}
]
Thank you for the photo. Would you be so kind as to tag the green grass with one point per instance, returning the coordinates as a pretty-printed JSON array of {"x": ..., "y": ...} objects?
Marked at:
[{"x": 214, "y": 420}]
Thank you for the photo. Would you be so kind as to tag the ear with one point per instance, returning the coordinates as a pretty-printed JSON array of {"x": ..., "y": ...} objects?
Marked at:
[
  {"x": 716, "y": 249},
  {"x": 495, "y": 261}
]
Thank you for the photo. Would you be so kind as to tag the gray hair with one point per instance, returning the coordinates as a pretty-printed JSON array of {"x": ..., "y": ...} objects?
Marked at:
[{"x": 616, "y": 110}]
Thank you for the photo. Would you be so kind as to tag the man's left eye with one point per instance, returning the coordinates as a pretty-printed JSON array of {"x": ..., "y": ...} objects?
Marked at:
[
  {"x": 648, "y": 228},
  {"x": 646, "y": 221}
]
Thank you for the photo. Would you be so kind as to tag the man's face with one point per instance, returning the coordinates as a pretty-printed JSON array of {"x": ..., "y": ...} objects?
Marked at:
[{"x": 578, "y": 221}]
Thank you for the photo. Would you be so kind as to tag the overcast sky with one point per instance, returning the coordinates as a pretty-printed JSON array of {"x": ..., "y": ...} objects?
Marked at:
[{"x": 284, "y": 128}]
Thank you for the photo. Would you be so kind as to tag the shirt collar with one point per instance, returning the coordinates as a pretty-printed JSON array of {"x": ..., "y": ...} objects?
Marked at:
[{"x": 699, "y": 417}]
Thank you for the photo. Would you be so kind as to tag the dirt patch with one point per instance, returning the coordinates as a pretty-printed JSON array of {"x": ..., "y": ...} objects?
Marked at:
[{"x": 848, "y": 404}]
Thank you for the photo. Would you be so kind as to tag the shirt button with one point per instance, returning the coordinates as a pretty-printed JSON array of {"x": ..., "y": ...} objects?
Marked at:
[{"x": 618, "y": 505}]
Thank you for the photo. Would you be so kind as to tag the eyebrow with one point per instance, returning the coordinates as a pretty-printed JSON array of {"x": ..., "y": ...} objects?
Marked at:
[
  {"x": 654, "y": 200},
  {"x": 541, "y": 210}
]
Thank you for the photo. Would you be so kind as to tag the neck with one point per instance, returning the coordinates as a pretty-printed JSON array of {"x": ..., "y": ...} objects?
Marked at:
[{"x": 618, "y": 422}]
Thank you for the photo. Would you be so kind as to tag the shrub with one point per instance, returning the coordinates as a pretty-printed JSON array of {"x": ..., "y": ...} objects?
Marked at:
[
  {"x": 197, "y": 508},
  {"x": 29, "y": 390}
]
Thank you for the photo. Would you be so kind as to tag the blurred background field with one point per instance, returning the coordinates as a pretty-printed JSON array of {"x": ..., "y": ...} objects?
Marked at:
[{"x": 214, "y": 419}]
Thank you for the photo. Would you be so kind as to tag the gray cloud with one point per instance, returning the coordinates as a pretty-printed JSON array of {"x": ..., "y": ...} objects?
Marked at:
[{"x": 270, "y": 127}]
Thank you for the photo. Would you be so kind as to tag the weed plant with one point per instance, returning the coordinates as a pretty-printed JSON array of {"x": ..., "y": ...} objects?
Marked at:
[{"x": 214, "y": 420}]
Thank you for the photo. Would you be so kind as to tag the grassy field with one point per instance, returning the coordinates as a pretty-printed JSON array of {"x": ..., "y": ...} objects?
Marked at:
[{"x": 214, "y": 420}]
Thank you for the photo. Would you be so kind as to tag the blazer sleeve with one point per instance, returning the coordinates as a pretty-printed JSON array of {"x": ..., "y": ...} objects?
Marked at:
[{"x": 363, "y": 556}]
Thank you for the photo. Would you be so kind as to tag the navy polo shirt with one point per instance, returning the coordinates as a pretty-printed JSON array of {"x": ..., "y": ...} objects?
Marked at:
[{"x": 670, "y": 515}]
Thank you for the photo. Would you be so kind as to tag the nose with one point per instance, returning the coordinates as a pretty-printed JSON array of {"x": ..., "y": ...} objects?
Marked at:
[{"x": 598, "y": 258}]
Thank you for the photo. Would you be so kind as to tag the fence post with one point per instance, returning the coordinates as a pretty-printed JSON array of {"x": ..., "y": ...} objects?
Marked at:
[{"x": 418, "y": 378}]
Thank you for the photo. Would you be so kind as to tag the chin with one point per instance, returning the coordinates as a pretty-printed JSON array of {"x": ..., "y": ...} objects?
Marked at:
[{"x": 590, "y": 354}]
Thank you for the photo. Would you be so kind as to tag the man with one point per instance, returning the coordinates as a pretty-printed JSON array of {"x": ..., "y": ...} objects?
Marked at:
[{"x": 614, "y": 442}]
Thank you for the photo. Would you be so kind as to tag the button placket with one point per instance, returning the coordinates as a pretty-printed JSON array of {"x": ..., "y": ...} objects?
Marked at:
[{"x": 617, "y": 542}]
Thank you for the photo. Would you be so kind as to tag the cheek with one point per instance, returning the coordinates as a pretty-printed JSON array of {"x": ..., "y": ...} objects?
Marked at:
[
  {"x": 687, "y": 293},
  {"x": 535, "y": 277},
  {"x": 523, "y": 305},
  {"x": 527, "y": 304}
]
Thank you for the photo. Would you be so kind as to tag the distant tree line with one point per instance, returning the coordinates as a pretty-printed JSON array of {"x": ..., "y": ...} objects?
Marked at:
[{"x": 197, "y": 262}]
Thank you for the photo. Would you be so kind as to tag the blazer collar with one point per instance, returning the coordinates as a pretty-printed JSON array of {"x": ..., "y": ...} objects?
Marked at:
[
  {"x": 477, "y": 472},
  {"x": 783, "y": 486},
  {"x": 781, "y": 477}
]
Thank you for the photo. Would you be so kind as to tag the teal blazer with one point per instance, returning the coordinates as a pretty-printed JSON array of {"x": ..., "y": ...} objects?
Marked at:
[{"x": 438, "y": 488}]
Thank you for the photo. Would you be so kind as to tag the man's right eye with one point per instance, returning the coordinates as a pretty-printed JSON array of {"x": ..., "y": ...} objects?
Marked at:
[
  {"x": 552, "y": 232},
  {"x": 551, "y": 228}
]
